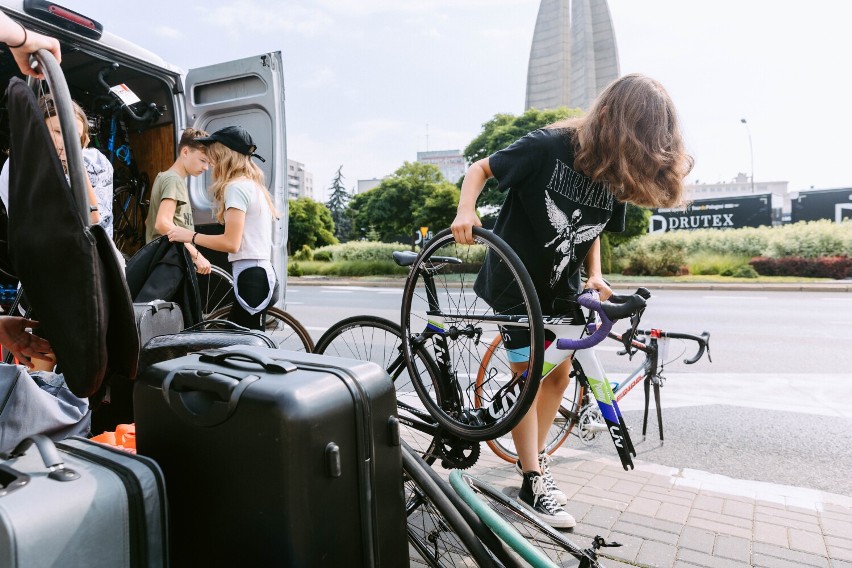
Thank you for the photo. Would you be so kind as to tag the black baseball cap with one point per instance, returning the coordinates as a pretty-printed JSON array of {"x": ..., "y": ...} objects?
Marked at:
[{"x": 236, "y": 138}]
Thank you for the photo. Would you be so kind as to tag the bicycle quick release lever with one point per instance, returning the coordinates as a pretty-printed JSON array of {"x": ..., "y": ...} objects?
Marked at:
[{"x": 609, "y": 312}]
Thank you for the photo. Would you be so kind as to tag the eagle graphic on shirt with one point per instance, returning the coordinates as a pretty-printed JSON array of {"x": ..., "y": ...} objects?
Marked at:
[{"x": 569, "y": 233}]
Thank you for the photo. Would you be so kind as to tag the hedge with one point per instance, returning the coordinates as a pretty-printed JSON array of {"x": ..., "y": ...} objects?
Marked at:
[{"x": 837, "y": 267}]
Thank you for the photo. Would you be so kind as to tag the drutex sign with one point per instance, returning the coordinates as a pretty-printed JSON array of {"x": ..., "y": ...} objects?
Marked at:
[{"x": 723, "y": 213}]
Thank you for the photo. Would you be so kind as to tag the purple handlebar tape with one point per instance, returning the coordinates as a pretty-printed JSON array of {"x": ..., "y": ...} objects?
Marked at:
[{"x": 591, "y": 300}]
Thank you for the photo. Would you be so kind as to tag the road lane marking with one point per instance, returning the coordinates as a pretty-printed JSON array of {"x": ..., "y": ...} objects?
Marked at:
[{"x": 735, "y": 297}]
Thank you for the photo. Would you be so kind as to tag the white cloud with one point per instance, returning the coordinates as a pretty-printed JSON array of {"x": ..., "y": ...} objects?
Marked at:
[
  {"x": 168, "y": 32},
  {"x": 321, "y": 78},
  {"x": 243, "y": 19}
]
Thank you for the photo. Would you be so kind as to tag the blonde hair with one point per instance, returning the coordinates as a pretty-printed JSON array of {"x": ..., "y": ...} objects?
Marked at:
[
  {"x": 48, "y": 109},
  {"x": 631, "y": 140},
  {"x": 229, "y": 165}
]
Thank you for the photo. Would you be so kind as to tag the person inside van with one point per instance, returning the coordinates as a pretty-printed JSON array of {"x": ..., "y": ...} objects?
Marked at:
[
  {"x": 48, "y": 108},
  {"x": 244, "y": 205},
  {"x": 22, "y": 42},
  {"x": 170, "y": 205}
]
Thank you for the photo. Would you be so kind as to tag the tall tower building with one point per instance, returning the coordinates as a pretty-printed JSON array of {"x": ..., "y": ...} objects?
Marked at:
[{"x": 573, "y": 54}]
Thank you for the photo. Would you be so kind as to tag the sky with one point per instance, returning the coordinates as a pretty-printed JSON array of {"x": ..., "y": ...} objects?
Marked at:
[{"x": 369, "y": 83}]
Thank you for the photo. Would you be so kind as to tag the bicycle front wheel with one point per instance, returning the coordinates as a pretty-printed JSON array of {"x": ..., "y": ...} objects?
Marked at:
[
  {"x": 537, "y": 542},
  {"x": 284, "y": 329},
  {"x": 216, "y": 291},
  {"x": 443, "y": 312},
  {"x": 369, "y": 338},
  {"x": 563, "y": 424}
]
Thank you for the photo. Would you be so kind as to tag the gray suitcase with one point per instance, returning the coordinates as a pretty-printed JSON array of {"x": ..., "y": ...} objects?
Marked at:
[
  {"x": 81, "y": 504},
  {"x": 157, "y": 318}
]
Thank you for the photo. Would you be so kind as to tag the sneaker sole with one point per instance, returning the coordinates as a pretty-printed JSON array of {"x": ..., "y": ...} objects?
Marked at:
[{"x": 567, "y": 522}]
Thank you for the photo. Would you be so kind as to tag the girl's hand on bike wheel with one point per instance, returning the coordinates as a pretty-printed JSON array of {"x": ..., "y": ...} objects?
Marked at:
[
  {"x": 202, "y": 265},
  {"x": 462, "y": 226}
]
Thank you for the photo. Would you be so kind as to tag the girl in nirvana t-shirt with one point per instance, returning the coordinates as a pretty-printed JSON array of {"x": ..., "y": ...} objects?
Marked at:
[{"x": 566, "y": 184}]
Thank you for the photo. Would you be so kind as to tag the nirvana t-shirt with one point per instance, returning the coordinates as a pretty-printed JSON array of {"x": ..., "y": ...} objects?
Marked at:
[{"x": 551, "y": 217}]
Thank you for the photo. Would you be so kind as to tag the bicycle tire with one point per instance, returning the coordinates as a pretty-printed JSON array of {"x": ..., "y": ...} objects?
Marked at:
[
  {"x": 284, "y": 329},
  {"x": 128, "y": 220},
  {"x": 455, "y": 325},
  {"x": 436, "y": 529},
  {"x": 538, "y": 543},
  {"x": 215, "y": 290},
  {"x": 563, "y": 424},
  {"x": 379, "y": 340},
  {"x": 63, "y": 106}
]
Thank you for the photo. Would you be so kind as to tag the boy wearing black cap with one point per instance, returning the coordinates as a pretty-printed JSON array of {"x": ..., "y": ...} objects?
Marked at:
[{"x": 170, "y": 197}]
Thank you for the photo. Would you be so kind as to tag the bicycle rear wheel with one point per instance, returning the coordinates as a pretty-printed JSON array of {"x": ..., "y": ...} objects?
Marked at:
[
  {"x": 436, "y": 529},
  {"x": 566, "y": 417},
  {"x": 216, "y": 291},
  {"x": 369, "y": 338},
  {"x": 537, "y": 542},
  {"x": 284, "y": 329},
  {"x": 443, "y": 313}
]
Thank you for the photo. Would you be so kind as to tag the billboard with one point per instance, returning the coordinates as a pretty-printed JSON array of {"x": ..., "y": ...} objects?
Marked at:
[
  {"x": 720, "y": 213},
  {"x": 834, "y": 204}
]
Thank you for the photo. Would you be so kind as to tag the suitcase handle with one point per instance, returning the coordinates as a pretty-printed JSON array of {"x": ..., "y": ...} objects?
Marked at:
[
  {"x": 270, "y": 365},
  {"x": 204, "y": 398},
  {"x": 49, "y": 455}
]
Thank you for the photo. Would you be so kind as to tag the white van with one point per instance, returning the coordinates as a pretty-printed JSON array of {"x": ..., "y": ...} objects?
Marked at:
[{"x": 247, "y": 92}]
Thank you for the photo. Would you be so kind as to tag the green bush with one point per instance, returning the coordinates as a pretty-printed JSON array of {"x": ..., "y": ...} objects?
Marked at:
[
  {"x": 293, "y": 269},
  {"x": 304, "y": 253},
  {"x": 652, "y": 256},
  {"x": 744, "y": 271},
  {"x": 359, "y": 250},
  {"x": 714, "y": 263}
]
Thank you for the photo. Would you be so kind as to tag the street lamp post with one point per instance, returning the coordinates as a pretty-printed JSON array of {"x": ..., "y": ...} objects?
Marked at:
[{"x": 750, "y": 151}]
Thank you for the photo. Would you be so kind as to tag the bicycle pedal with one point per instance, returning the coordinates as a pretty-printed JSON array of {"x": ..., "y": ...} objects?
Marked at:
[{"x": 600, "y": 542}]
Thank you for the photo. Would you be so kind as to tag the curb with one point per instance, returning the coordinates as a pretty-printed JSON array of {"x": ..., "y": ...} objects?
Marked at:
[{"x": 837, "y": 286}]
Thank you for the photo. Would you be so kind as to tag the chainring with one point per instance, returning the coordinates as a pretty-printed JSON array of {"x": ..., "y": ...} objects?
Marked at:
[
  {"x": 590, "y": 424},
  {"x": 457, "y": 453}
]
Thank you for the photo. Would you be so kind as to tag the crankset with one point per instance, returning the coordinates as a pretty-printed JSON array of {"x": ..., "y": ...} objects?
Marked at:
[{"x": 457, "y": 453}]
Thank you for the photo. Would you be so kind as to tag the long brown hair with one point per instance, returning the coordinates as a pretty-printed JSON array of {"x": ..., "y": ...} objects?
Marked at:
[
  {"x": 631, "y": 140},
  {"x": 228, "y": 166}
]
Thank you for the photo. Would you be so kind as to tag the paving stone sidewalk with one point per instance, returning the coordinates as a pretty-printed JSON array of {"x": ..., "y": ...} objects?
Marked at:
[{"x": 666, "y": 517}]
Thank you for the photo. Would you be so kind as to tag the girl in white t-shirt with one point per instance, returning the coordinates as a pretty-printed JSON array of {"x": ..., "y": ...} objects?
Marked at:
[{"x": 245, "y": 207}]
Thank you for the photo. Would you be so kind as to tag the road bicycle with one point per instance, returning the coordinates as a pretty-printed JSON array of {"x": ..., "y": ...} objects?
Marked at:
[
  {"x": 538, "y": 544},
  {"x": 578, "y": 414},
  {"x": 439, "y": 363},
  {"x": 444, "y": 316}
]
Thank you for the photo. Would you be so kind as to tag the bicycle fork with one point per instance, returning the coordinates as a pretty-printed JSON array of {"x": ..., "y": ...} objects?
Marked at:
[{"x": 615, "y": 425}]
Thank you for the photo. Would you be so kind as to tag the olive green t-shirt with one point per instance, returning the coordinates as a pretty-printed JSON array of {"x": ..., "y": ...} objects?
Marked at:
[{"x": 169, "y": 185}]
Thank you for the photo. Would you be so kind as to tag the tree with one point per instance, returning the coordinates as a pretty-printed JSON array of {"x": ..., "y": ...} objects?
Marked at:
[
  {"x": 635, "y": 225},
  {"x": 337, "y": 201},
  {"x": 500, "y": 132},
  {"x": 310, "y": 223},
  {"x": 415, "y": 195}
]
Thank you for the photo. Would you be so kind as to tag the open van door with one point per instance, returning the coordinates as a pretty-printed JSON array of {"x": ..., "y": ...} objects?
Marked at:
[{"x": 249, "y": 93}]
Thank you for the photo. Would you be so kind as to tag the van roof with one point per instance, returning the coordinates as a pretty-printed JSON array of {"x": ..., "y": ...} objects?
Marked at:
[{"x": 110, "y": 41}]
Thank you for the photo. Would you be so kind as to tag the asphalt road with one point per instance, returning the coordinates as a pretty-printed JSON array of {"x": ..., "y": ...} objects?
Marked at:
[{"x": 770, "y": 407}]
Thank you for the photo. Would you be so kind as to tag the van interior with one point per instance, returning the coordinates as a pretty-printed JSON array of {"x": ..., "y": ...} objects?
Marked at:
[{"x": 138, "y": 139}]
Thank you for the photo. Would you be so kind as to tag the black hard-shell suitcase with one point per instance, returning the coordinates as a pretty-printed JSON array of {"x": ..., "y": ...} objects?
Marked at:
[
  {"x": 113, "y": 404},
  {"x": 208, "y": 334},
  {"x": 157, "y": 317},
  {"x": 77, "y": 503},
  {"x": 275, "y": 457}
]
